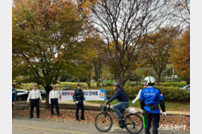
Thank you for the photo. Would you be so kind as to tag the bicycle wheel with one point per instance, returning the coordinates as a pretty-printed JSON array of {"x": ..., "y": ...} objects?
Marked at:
[
  {"x": 103, "y": 122},
  {"x": 134, "y": 123}
]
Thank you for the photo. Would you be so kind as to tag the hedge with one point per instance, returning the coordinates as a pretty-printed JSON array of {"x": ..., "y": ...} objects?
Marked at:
[{"x": 172, "y": 94}]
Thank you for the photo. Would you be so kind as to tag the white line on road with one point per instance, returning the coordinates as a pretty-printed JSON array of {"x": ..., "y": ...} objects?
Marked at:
[{"x": 49, "y": 129}]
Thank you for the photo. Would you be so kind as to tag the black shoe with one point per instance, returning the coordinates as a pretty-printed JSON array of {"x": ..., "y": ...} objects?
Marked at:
[
  {"x": 31, "y": 117},
  {"x": 122, "y": 123},
  {"x": 77, "y": 120},
  {"x": 83, "y": 119}
]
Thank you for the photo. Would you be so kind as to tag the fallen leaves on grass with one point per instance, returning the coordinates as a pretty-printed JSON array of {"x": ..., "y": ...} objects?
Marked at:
[{"x": 70, "y": 115}]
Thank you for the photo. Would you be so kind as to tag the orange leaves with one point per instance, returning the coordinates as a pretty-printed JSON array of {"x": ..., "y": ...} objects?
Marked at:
[{"x": 180, "y": 56}]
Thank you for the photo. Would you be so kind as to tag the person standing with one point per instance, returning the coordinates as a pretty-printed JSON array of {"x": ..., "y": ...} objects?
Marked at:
[
  {"x": 150, "y": 98},
  {"x": 34, "y": 98},
  {"x": 79, "y": 99},
  {"x": 14, "y": 95},
  {"x": 138, "y": 95},
  {"x": 53, "y": 100}
]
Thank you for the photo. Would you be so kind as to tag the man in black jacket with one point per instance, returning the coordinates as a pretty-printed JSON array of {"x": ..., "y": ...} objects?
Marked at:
[
  {"x": 122, "y": 99},
  {"x": 79, "y": 99}
]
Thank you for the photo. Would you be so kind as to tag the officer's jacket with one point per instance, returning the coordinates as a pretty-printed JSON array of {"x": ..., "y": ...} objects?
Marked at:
[
  {"x": 151, "y": 96},
  {"x": 34, "y": 94},
  {"x": 14, "y": 95},
  {"x": 78, "y": 95},
  {"x": 54, "y": 94}
]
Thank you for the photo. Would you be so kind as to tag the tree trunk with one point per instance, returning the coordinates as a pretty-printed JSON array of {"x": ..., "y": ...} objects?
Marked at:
[
  {"x": 122, "y": 80},
  {"x": 88, "y": 83},
  {"x": 158, "y": 79},
  {"x": 98, "y": 82},
  {"x": 188, "y": 81},
  {"x": 48, "y": 88}
]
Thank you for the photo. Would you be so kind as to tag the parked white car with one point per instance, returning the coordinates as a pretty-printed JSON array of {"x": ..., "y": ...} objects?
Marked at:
[
  {"x": 22, "y": 94},
  {"x": 187, "y": 87}
]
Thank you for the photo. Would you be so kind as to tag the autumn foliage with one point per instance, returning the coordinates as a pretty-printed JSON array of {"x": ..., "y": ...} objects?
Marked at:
[{"x": 180, "y": 56}]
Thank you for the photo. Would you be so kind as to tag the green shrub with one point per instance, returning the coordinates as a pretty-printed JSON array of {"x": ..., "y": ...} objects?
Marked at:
[
  {"x": 174, "y": 84},
  {"x": 172, "y": 94},
  {"x": 71, "y": 85},
  {"x": 27, "y": 86}
]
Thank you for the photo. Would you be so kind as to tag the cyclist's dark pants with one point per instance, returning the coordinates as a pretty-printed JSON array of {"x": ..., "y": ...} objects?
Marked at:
[
  {"x": 80, "y": 105},
  {"x": 154, "y": 118}
]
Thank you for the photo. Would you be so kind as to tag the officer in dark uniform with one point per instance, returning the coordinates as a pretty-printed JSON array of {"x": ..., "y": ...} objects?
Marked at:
[
  {"x": 150, "y": 97},
  {"x": 14, "y": 95},
  {"x": 79, "y": 99}
]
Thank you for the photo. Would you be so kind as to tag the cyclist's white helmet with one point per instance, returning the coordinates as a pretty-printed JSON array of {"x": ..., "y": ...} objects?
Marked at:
[{"x": 149, "y": 80}]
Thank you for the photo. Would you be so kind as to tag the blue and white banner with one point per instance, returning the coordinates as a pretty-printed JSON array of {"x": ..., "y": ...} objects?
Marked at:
[{"x": 92, "y": 95}]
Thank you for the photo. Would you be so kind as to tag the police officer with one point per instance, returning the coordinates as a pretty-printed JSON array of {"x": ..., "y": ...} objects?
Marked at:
[
  {"x": 150, "y": 97},
  {"x": 79, "y": 99},
  {"x": 53, "y": 100},
  {"x": 34, "y": 98},
  {"x": 14, "y": 95}
]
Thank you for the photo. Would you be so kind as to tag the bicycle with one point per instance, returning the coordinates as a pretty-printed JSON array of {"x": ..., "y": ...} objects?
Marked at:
[{"x": 132, "y": 121}]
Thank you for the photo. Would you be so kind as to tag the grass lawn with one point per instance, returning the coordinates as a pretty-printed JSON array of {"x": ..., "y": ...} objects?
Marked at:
[{"x": 170, "y": 106}]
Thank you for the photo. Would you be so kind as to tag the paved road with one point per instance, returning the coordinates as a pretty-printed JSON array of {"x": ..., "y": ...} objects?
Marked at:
[{"x": 22, "y": 125}]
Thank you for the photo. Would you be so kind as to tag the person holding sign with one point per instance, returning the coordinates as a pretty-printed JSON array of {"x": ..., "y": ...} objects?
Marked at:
[
  {"x": 79, "y": 99},
  {"x": 53, "y": 100}
]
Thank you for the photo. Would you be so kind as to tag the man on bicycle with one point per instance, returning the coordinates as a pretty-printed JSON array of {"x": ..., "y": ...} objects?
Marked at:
[
  {"x": 150, "y": 97},
  {"x": 122, "y": 98}
]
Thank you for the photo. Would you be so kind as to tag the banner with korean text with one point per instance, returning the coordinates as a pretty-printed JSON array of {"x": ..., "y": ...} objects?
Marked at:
[{"x": 92, "y": 95}]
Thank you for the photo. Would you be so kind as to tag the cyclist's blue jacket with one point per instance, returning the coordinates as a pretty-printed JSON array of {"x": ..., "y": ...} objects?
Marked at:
[
  {"x": 119, "y": 95},
  {"x": 151, "y": 96}
]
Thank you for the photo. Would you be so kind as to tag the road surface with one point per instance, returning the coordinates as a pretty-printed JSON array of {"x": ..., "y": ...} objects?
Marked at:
[{"x": 24, "y": 125}]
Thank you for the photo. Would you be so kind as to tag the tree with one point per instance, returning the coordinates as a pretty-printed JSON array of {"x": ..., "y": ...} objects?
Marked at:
[
  {"x": 90, "y": 63},
  {"x": 181, "y": 11},
  {"x": 122, "y": 24},
  {"x": 45, "y": 40},
  {"x": 156, "y": 51},
  {"x": 180, "y": 56}
]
